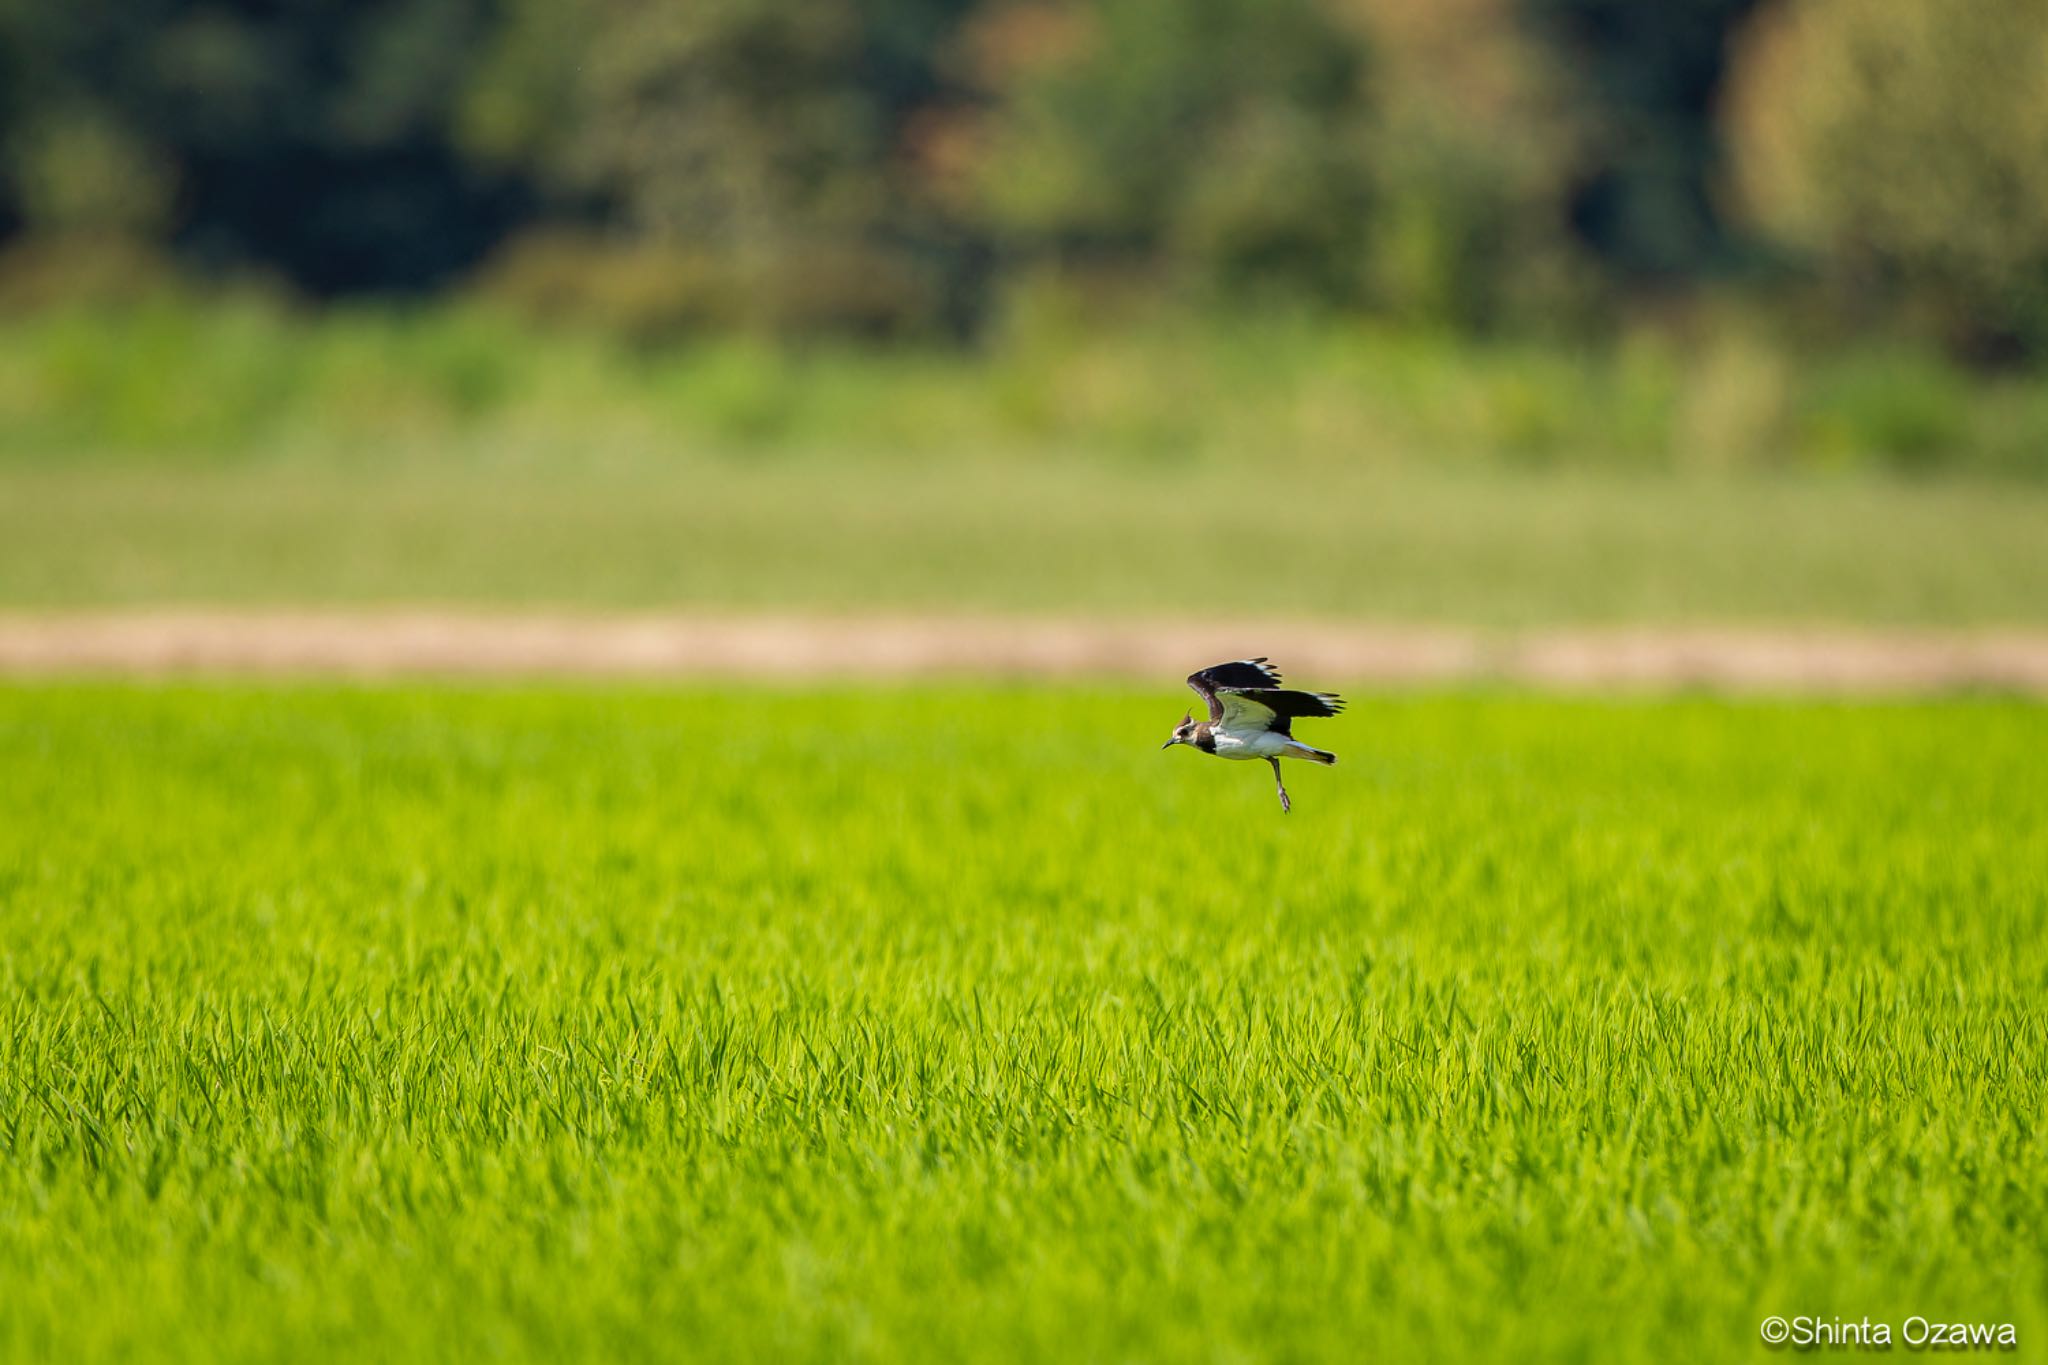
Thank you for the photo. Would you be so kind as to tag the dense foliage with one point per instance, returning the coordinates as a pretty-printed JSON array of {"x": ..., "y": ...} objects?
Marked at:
[
  {"x": 905, "y": 165},
  {"x": 1904, "y": 148}
]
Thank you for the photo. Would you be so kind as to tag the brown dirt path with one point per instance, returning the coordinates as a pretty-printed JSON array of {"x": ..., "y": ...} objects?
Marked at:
[{"x": 469, "y": 644}]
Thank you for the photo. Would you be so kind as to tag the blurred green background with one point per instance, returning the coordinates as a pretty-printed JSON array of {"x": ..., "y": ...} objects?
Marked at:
[
  {"x": 937, "y": 1021},
  {"x": 1491, "y": 310}
]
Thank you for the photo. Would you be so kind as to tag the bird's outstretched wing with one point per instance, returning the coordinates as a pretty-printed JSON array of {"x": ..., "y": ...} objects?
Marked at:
[
  {"x": 1240, "y": 673},
  {"x": 1271, "y": 708}
]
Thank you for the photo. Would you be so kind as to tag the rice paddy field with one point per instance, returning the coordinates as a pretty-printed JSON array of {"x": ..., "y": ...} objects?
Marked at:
[{"x": 517, "y": 1024}]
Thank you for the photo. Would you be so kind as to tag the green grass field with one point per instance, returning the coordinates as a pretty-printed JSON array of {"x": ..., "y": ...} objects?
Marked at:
[
  {"x": 1055, "y": 535},
  {"x": 515, "y": 1025}
]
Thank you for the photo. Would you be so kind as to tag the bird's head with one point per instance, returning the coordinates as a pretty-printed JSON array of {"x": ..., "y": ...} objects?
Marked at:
[{"x": 1183, "y": 733}]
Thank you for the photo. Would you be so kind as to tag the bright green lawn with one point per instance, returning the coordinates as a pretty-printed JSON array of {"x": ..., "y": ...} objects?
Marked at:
[
  {"x": 511, "y": 1025},
  {"x": 1496, "y": 547}
]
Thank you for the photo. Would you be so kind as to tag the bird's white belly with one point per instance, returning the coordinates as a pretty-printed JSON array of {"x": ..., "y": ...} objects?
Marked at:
[{"x": 1260, "y": 744}]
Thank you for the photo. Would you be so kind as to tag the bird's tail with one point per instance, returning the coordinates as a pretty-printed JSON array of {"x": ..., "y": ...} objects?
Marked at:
[{"x": 1322, "y": 756}]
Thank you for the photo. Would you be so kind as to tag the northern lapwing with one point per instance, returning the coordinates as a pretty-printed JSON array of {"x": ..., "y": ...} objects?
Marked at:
[{"x": 1249, "y": 716}]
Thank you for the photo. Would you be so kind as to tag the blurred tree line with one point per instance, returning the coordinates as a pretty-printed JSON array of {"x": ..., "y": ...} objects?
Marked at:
[{"x": 906, "y": 166}]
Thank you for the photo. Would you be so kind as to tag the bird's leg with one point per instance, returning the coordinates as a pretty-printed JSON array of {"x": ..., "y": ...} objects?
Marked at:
[{"x": 1285, "y": 804}]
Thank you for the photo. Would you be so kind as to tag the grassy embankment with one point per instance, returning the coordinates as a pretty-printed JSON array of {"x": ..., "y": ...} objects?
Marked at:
[{"x": 241, "y": 455}]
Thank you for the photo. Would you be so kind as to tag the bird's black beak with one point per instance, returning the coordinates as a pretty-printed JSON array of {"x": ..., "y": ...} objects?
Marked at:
[{"x": 1168, "y": 745}]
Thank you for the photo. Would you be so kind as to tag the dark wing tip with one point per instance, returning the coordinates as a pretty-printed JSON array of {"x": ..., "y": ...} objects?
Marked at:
[
  {"x": 1325, "y": 703},
  {"x": 1243, "y": 673},
  {"x": 1290, "y": 703}
]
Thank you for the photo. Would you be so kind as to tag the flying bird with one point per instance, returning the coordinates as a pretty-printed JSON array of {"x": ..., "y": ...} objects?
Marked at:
[{"x": 1250, "y": 715}]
